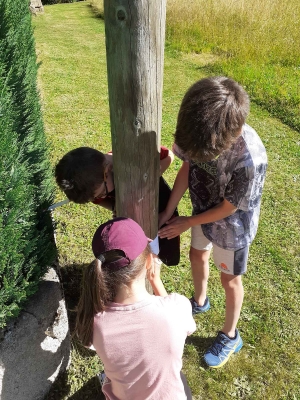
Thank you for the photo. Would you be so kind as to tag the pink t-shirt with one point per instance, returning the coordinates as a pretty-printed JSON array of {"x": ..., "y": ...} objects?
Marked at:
[{"x": 141, "y": 347}]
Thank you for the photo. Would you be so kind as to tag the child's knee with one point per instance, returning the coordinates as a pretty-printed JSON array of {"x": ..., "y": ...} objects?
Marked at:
[
  {"x": 199, "y": 256},
  {"x": 231, "y": 282}
]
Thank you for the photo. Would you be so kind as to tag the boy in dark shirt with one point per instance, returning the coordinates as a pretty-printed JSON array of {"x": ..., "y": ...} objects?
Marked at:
[{"x": 86, "y": 175}]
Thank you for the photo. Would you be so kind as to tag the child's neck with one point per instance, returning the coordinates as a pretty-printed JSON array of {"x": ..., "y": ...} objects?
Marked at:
[{"x": 133, "y": 293}]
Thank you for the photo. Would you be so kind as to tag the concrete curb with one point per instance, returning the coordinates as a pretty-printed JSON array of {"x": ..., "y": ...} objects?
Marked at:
[{"x": 35, "y": 347}]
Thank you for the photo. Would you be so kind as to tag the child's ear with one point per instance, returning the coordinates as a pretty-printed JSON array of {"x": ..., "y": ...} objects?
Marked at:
[{"x": 149, "y": 261}]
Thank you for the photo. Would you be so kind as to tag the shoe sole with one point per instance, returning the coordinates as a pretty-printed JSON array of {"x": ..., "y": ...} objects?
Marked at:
[{"x": 235, "y": 350}]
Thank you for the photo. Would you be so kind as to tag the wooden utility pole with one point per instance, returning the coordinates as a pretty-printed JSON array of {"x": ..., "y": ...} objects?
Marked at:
[{"x": 135, "y": 31}]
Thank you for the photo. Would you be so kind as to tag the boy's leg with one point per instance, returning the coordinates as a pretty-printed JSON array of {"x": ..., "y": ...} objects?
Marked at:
[
  {"x": 199, "y": 257},
  {"x": 233, "y": 265},
  {"x": 200, "y": 272},
  {"x": 234, "y": 293}
]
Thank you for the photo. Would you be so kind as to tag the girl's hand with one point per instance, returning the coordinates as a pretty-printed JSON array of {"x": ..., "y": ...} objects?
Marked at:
[{"x": 153, "y": 275}]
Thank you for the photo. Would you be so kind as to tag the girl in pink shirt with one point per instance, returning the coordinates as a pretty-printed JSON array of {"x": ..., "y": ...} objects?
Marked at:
[{"x": 139, "y": 337}]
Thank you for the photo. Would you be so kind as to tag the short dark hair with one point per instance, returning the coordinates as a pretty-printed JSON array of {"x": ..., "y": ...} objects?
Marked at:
[
  {"x": 211, "y": 117},
  {"x": 79, "y": 173}
]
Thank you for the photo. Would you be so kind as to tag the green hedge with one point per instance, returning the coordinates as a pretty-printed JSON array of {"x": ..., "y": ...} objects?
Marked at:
[
  {"x": 59, "y": 1},
  {"x": 26, "y": 183}
]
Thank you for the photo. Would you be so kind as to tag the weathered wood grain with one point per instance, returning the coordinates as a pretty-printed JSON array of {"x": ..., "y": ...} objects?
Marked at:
[{"x": 135, "y": 32}]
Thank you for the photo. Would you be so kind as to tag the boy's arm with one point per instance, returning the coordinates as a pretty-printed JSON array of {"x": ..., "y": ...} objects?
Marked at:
[
  {"x": 180, "y": 224},
  {"x": 180, "y": 186},
  {"x": 166, "y": 161}
]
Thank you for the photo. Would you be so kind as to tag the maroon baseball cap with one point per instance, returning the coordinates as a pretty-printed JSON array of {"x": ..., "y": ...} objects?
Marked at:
[{"x": 119, "y": 234}]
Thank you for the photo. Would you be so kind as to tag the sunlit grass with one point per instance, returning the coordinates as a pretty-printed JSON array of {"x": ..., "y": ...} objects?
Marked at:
[
  {"x": 250, "y": 30},
  {"x": 256, "y": 43},
  {"x": 265, "y": 31}
]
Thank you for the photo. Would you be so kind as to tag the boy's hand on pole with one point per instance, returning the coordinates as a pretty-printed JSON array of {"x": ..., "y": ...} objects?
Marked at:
[{"x": 174, "y": 227}]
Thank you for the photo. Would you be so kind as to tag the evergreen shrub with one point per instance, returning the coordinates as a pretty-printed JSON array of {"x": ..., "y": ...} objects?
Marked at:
[
  {"x": 26, "y": 184},
  {"x": 59, "y": 1}
]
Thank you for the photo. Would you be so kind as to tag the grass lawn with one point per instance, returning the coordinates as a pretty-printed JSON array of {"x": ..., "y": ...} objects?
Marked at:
[
  {"x": 71, "y": 49},
  {"x": 256, "y": 42}
]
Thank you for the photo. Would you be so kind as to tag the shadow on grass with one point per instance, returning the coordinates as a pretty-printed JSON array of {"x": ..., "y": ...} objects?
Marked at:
[
  {"x": 60, "y": 388},
  {"x": 201, "y": 345},
  {"x": 71, "y": 277},
  {"x": 91, "y": 390},
  {"x": 96, "y": 12}
]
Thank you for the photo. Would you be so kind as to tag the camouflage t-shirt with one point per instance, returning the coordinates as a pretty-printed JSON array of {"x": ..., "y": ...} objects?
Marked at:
[{"x": 237, "y": 175}]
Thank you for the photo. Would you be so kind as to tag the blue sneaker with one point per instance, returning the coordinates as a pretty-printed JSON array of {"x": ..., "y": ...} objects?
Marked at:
[
  {"x": 219, "y": 352},
  {"x": 196, "y": 309}
]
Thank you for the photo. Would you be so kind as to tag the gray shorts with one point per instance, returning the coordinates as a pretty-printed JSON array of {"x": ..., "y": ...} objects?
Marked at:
[{"x": 231, "y": 262}]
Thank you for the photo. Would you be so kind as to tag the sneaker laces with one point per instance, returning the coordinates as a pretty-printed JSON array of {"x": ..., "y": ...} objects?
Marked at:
[{"x": 218, "y": 345}]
